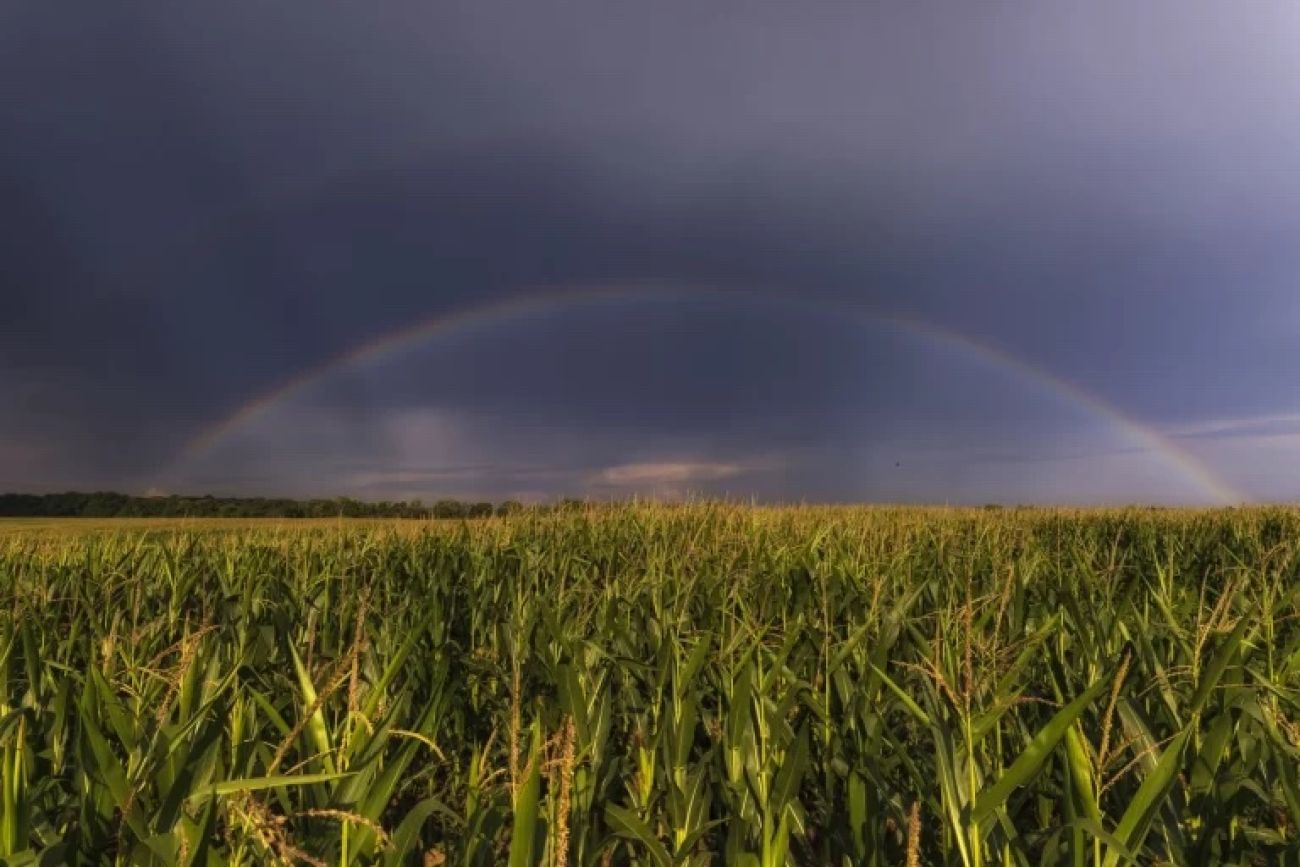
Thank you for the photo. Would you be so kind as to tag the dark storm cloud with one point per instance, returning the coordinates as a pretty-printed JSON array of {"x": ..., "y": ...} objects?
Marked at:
[{"x": 199, "y": 203}]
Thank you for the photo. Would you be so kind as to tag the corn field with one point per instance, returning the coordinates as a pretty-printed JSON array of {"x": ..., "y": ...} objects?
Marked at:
[{"x": 656, "y": 685}]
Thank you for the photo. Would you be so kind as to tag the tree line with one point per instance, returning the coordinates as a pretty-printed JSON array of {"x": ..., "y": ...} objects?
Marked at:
[{"x": 111, "y": 504}]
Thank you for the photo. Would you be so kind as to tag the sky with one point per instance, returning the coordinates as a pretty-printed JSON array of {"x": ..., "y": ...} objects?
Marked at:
[{"x": 845, "y": 252}]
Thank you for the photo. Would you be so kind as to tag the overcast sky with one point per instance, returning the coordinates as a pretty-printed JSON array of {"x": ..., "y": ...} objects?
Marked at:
[{"x": 1088, "y": 212}]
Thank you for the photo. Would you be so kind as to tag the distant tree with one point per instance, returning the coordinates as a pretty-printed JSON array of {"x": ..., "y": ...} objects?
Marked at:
[
  {"x": 109, "y": 504},
  {"x": 449, "y": 509}
]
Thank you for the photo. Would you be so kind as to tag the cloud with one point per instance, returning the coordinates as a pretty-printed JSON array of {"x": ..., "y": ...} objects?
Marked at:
[
  {"x": 1267, "y": 425},
  {"x": 412, "y": 478},
  {"x": 668, "y": 473},
  {"x": 1056, "y": 181}
]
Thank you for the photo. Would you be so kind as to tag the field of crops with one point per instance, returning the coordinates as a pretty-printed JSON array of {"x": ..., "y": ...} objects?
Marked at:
[{"x": 657, "y": 685}]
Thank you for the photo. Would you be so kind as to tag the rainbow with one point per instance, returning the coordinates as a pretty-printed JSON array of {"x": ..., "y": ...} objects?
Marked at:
[{"x": 547, "y": 300}]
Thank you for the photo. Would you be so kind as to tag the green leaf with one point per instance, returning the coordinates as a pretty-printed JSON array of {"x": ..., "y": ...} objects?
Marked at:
[
  {"x": 316, "y": 728},
  {"x": 908, "y": 702},
  {"x": 786, "y": 786},
  {"x": 1027, "y": 764},
  {"x": 523, "y": 832},
  {"x": 627, "y": 824},
  {"x": 254, "y": 784},
  {"x": 1213, "y": 672},
  {"x": 407, "y": 835},
  {"x": 1133, "y": 826}
]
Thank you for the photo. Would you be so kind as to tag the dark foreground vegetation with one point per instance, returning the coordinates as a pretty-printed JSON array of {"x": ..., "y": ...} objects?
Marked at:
[{"x": 659, "y": 686}]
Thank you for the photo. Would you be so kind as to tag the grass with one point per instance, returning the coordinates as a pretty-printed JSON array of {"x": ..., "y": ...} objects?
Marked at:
[{"x": 653, "y": 686}]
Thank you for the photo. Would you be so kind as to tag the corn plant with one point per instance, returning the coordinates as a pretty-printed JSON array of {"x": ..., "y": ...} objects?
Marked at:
[{"x": 656, "y": 685}]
